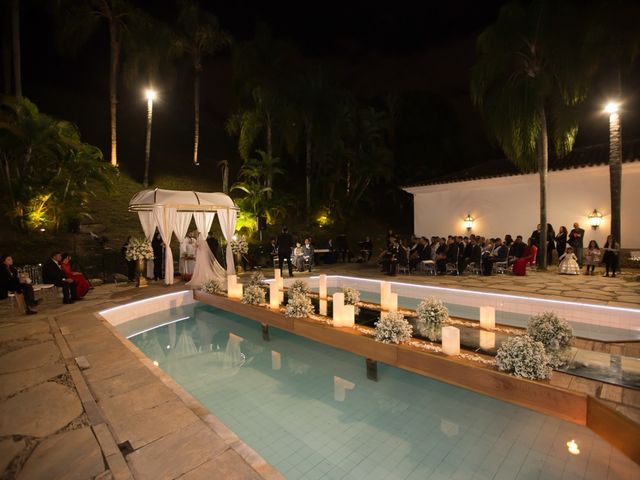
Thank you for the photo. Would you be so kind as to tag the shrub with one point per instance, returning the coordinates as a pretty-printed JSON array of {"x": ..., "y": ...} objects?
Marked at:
[
  {"x": 253, "y": 295},
  {"x": 393, "y": 328},
  {"x": 524, "y": 357},
  {"x": 298, "y": 306},
  {"x": 431, "y": 314},
  {"x": 351, "y": 297},
  {"x": 257, "y": 278},
  {"x": 212, "y": 286},
  {"x": 554, "y": 333},
  {"x": 299, "y": 287}
]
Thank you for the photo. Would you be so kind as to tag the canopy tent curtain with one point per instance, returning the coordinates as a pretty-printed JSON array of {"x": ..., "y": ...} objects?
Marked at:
[
  {"x": 148, "y": 223},
  {"x": 168, "y": 210},
  {"x": 183, "y": 219}
]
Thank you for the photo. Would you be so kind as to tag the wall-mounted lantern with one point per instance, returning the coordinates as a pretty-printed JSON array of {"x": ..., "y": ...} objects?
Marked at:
[
  {"x": 468, "y": 222},
  {"x": 595, "y": 219}
]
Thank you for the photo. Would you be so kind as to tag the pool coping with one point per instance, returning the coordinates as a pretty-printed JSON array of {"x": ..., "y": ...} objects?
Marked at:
[
  {"x": 540, "y": 396},
  {"x": 261, "y": 467}
]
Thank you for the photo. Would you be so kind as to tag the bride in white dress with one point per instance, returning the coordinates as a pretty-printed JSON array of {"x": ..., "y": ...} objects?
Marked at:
[{"x": 206, "y": 267}]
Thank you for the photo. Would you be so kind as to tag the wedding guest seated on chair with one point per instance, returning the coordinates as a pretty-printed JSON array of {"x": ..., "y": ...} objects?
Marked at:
[
  {"x": 11, "y": 281},
  {"x": 297, "y": 257},
  {"x": 391, "y": 257},
  {"x": 441, "y": 256},
  {"x": 308, "y": 253},
  {"x": 81, "y": 282},
  {"x": 52, "y": 273},
  {"x": 499, "y": 254},
  {"x": 366, "y": 248},
  {"x": 528, "y": 258},
  {"x": 517, "y": 248}
]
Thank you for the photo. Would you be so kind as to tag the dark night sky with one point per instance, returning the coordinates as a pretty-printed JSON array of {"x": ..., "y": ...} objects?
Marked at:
[{"x": 371, "y": 48}]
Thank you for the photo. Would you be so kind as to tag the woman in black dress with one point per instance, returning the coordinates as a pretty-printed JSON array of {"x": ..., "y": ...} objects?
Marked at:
[
  {"x": 610, "y": 257},
  {"x": 561, "y": 240},
  {"x": 10, "y": 282}
]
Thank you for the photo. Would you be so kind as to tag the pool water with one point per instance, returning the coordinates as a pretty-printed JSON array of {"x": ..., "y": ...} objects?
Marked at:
[{"x": 310, "y": 411}]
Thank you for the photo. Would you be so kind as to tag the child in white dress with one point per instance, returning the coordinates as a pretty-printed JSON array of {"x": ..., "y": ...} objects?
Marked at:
[{"x": 569, "y": 263}]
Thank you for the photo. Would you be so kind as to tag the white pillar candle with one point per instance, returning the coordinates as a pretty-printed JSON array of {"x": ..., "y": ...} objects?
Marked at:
[
  {"x": 235, "y": 291},
  {"x": 322, "y": 286},
  {"x": 385, "y": 291},
  {"x": 280, "y": 283},
  {"x": 274, "y": 296},
  {"x": 450, "y": 341},
  {"x": 488, "y": 317},
  {"x": 276, "y": 273},
  {"x": 487, "y": 340},
  {"x": 276, "y": 360},
  {"x": 231, "y": 280},
  {"x": 348, "y": 315},
  {"x": 392, "y": 302},
  {"x": 338, "y": 305},
  {"x": 323, "y": 307}
]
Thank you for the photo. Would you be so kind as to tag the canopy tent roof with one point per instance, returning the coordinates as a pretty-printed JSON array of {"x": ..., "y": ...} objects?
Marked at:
[{"x": 181, "y": 200}]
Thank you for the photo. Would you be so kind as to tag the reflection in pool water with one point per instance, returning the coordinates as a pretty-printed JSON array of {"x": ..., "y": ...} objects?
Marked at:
[{"x": 309, "y": 410}]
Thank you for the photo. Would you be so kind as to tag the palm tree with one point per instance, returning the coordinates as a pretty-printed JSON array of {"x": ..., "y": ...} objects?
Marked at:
[
  {"x": 199, "y": 34},
  {"x": 224, "y": 167},
  {"x": 15, "y": 41},
  {"x": 530, "y": 75},
  {"x": 617, "y": 40},
  {"x": 80, "y": 19}
]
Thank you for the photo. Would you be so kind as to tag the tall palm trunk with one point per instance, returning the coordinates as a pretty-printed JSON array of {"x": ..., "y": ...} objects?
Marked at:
[
  {"x": 6, "y": 51},
  {"x": 269, "y": 178},
  {"x": 308, "y": 127},
  {"x": 113, "y": 88},
  {"x": 615, "y": 173},
  {"x": 15, "y": 34},
  {"x": 543, "y": 168},
  {"x": 147, "y": 150},
  {"x": 196, "y": 97}
]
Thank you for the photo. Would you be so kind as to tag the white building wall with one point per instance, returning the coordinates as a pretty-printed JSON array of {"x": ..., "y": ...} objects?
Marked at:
[{"x": 510, "y": 205}]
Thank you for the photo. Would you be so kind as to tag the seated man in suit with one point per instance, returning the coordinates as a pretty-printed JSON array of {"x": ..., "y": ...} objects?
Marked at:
[
  {"x": 52, "y": 273},
  {"x": 308, "y": 253},
  {"x": 499, "y": 254}
]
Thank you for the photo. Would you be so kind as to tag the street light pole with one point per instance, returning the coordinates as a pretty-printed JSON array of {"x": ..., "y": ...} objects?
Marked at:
[
  {"x": 615, "y": 167},
  {"x": 151, "y": 95}
]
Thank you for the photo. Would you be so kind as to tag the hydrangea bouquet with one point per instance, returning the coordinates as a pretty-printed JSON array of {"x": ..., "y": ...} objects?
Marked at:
[
  {"x": 299, "y": 287},
  {"x": 431, "y": 314},
  {"x": 393, "y": 328},
  {"x": 554, "y": 333},
  {"x": 524, "y": 357},
  {"x": 212, "y": 286},
  {"x": 254, "y": 295},
  {"x": 239, "y": 246},
  {"x": 139, "y": 249},
  {"x": 298, "y": 306}
]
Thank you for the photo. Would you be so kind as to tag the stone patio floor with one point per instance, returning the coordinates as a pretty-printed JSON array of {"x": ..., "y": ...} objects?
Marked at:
[{"x": 76, "y": 401}]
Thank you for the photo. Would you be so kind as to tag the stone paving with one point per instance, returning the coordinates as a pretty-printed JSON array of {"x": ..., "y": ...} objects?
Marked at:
[{"x": 78, "y": 401}]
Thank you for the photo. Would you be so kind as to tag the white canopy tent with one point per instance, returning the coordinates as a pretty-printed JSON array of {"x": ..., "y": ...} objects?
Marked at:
[{"x": 171, "y": 211}]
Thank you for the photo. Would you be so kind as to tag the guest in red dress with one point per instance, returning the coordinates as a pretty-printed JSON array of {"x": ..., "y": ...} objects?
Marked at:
[
  {"x": 81, "y": 282},
  {"x": 528, "y": 258}
]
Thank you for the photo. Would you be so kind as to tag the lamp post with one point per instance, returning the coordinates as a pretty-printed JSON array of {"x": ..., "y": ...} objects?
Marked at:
[
  {"x": 615, "y": 166},
  {"x": 151, "y": 96}
]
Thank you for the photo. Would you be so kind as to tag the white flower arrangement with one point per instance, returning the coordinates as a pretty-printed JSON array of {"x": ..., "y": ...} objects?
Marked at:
[
  {"x": 257, "y": 278},
  {"x": 212, "y": 286},
  {"x": 393, "y": 328},
  {"x": 254, "y": 295},
  {"x": 239, "y": 246},
  {"x": 299, "y": 287},
  {"x": 139, "y": 248},
  {"x": 525, "y": 357},
  {"x": 554, "y": 333},
  {"x": 351, "y": 297},
  {"x": 431, "y": 314},
  {"x": 299, "y": 306}
]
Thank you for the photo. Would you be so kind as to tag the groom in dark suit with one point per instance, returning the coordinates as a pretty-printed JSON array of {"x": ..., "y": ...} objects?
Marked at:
[{"x": 52, "y": 273}]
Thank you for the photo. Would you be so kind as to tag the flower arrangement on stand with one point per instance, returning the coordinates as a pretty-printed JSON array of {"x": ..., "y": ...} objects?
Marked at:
[
  {"x": 298, "y": 306},
  {"x": 555, "y": 334},
  {"x": 351, "y": 297},
  {"x": 525, "y": 357},
  {"x": 431, "y": 315},
  {"x": 393, "y": 328},
  {"x": 139, "y": 250},
  {"x": 254, "y": 295},
  {"x": 212, "y": 286},
  {"x": 239, "y": 247},
  {"x": 299, "y": 287}
]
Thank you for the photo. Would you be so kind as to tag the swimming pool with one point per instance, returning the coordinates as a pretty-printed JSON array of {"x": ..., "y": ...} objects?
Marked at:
[{"x": 309, "y": 410}]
